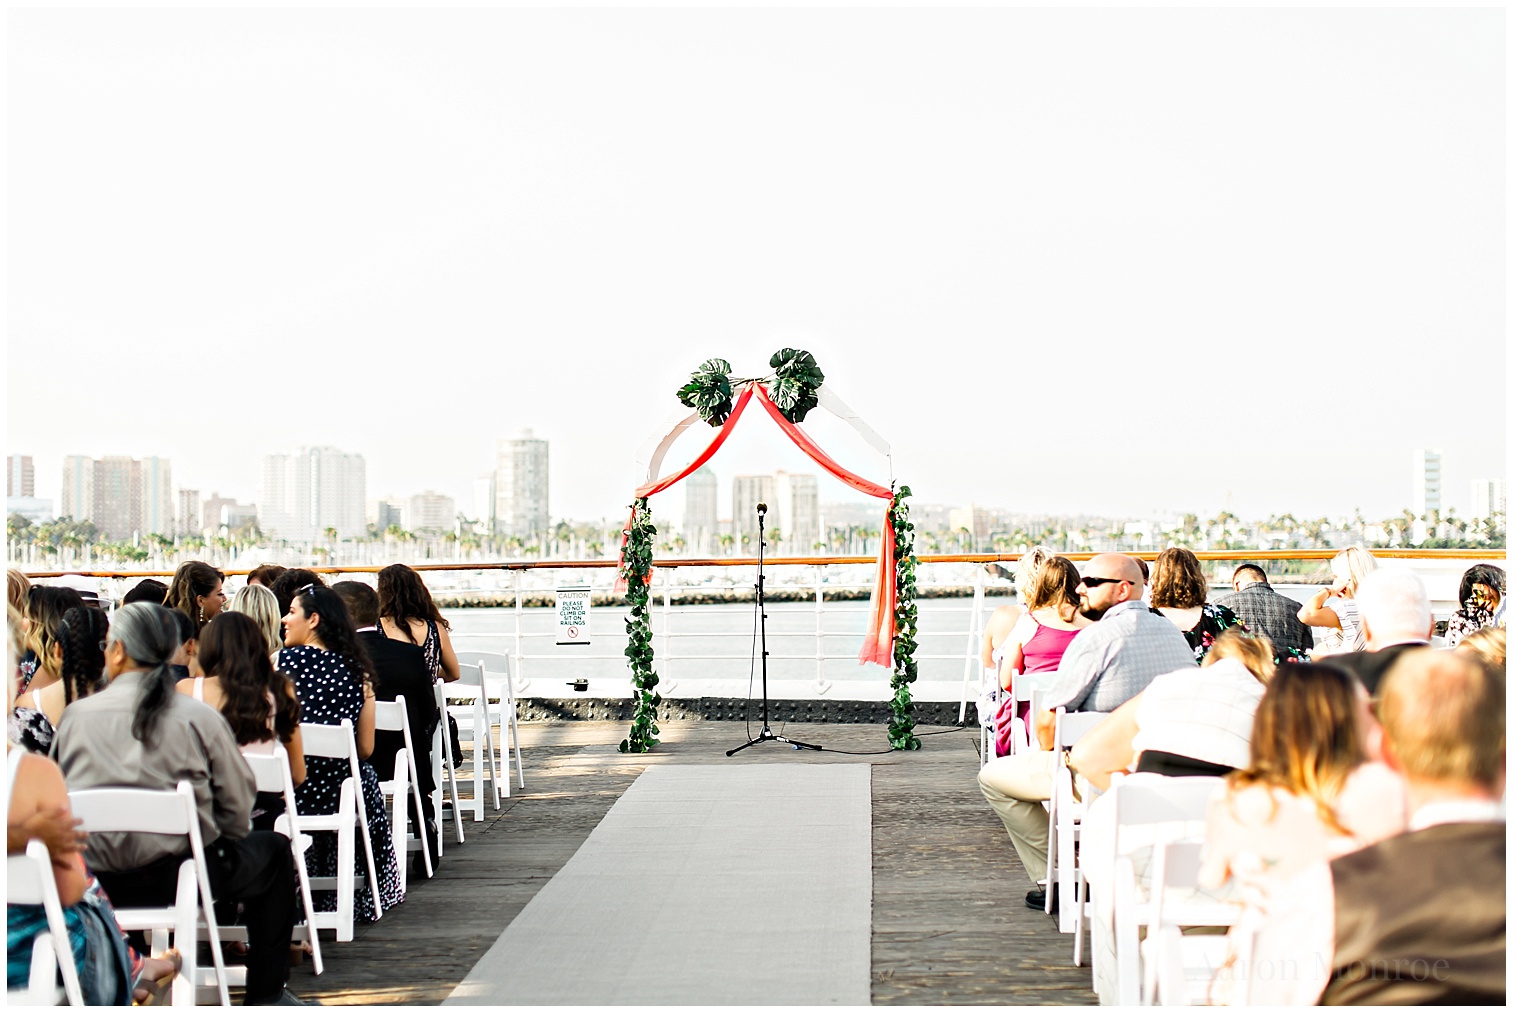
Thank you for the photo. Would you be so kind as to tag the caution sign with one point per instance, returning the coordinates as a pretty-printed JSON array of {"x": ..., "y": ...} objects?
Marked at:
[{"x": 573, "y": 605}]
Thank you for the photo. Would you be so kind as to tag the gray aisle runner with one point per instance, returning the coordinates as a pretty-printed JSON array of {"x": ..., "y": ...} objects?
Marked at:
[{"x": 711, "y": 884}]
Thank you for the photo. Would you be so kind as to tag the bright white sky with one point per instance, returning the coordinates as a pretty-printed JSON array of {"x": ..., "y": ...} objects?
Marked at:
[{"x": 1081, "y": 261}]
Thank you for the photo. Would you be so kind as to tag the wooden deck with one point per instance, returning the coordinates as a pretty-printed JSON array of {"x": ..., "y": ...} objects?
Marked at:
[{"x": 949, "y": 925}]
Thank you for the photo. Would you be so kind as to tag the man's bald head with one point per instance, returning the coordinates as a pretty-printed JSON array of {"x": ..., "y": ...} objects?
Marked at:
[
  {"x": 1443, "y": 719},
  {"x": 1115, "y": 564}
]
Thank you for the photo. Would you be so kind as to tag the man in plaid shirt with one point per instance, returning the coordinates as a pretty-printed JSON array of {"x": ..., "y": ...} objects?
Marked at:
[{"x": 1264, "y": 611}]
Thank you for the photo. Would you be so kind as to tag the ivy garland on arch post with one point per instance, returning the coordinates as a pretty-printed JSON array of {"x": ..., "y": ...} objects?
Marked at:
[{"x": 788, "y": 394}]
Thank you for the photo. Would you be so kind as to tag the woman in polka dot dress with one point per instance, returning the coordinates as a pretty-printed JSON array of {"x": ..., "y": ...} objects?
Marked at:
[{"x": 331, "y": 674}]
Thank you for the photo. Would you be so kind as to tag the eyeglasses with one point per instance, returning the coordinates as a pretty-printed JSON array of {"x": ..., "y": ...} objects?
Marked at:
[{"x": 1100, "y": 581}]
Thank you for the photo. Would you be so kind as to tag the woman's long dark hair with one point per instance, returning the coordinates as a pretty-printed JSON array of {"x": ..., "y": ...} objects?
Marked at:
[
  {"x": 45, "y": 608},
  {"x": 335, "y": 630},
  {"x": 82, "y": 634},
  {"x": 190, "y": 581},
  {"x": 286, "y": 583},
  {"x": 150, "y": 635},
  {"x": 403, "y": 597},
  {"x": 1481, "y": 573},
  {"x": 234, "y": 650}
]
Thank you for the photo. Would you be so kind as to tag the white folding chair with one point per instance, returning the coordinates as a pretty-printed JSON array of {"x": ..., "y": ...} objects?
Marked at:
[
  {"x": 502, "y": 706},
  {"x": 499, "y": 783},
  {"x": 444, "y": 767},
  {"x": 1065, "y": 813},
  {"x": 29, "y": 880},
  {"x": 391, "y": 716},
  {"x": 349, "y": 821},
  {"x": 471, "y": 714},
  {"x": 1149, "y": 811},
  {"x": 272, "y": 774},
  {"x": 1027, "y": 688},
  {"x": 1180, "y": 969},
  {"x": 172, "y": 813}
]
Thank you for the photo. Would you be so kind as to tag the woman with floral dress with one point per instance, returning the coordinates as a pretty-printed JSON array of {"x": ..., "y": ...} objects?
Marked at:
[
  {"x": 332, "y": 677},
  {"x": 1180, "y": 593},
  {"x": 1481, "y": 594}
]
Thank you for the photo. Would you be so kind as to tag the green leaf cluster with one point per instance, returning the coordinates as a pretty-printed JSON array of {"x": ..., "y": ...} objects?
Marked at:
[
  {"x": 709, "y": 392},
  {"x": 906, "y": 625},
  {"x": 796, "y": 382},
  {"x": 635, "y": 569}
]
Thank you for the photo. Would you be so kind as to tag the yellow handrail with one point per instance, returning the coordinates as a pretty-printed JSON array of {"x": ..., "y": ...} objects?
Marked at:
[{"x": 968, "y": 557}]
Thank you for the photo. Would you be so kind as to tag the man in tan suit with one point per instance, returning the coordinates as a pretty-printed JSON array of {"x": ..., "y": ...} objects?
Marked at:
[{"x": 1420, "y": 918}]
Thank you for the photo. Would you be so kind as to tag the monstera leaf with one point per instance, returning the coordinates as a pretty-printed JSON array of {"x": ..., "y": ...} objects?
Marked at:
[
  {"x": 708, "y": 392},
  {"x": 795, "y": 383}
]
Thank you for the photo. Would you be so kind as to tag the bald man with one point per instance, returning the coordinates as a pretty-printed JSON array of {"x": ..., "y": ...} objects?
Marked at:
[
  {"x": 1421, "y": 918},
  {"x": 1106, "y": 664}
]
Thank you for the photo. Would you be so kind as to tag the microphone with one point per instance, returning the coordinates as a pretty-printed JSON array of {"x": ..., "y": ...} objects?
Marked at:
[{"x": 761, "y": 508}]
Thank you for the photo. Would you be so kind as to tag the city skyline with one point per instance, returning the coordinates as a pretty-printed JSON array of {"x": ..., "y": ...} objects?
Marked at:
[{"x": 1066, "y": 261}]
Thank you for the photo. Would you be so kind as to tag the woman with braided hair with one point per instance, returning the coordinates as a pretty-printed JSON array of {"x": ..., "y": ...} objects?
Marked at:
[{"x": 77, "y": 653}]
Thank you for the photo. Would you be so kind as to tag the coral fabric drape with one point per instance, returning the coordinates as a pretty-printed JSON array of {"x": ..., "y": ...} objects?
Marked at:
[{"x": 877, "y": 645}]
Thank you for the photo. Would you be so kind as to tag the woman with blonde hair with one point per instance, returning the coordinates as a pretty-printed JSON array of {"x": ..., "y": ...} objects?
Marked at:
[
  {"x": 261, "y": 606},
  {"x": 1040, "y": 636},
  {"x": 1333, "y": 610},
  {"x": 1179, "y": 591}
]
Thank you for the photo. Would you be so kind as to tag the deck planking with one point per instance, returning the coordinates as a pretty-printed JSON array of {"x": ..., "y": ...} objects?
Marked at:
[{"x": 949, "y": 925}]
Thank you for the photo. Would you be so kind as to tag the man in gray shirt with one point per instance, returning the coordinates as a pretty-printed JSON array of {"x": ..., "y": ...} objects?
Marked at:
[
  {"x": 1106, "y": 664},
  {"x": 139, "y": 733}
]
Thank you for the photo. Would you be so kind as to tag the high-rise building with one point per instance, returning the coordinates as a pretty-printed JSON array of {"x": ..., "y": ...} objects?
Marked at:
[
  {"x": 213, "y": 510},
  {"x": 1489, "y": 497},
  {"x": 746, "y": 491},
  {"x": 483, "y": 502},
  {"x": 701, "y": 508},
  {"x": 521, "y": 486},
  {"x": 118, "y": 497},
  {"x": 315, "y": 489},
  {"x": 189, "y": 512},
  {"x": 386, "y": 513},
  {"x": 20, "y": 478},
  {"x": 798, "y": 503},
  {"x": 78, "y": 499},
  {"x": 156, "y": 485},
  {"x": 431, "y": 511},
  {"x": 1426, "y": 482}
]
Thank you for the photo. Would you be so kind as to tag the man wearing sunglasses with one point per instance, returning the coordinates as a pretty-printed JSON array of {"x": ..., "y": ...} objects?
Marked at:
[{"x": 1106, "y": 664}]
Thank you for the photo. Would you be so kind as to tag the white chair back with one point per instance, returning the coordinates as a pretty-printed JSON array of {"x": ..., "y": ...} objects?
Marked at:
[
  {"x": 29, "y": 880},
  {"x": 391, "y": 716},
  {"x": 172, "y": 813},
  {"x": 339, "y": 743},
  {"x": 444, "y": 767},
  {"x": 272, "y": 774},
  {"x": 470, "y": 710},
  {"x": 502, "y": 705}
]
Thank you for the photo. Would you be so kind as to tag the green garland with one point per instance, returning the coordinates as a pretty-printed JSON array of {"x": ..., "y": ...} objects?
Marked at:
[
  {"x": 635, "y": 570},
  {"x": 906, "y": 625}
]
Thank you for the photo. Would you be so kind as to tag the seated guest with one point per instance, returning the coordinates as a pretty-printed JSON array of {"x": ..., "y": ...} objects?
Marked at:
[
  {"x": 78, "y": 654},
  {"x": 1263, "y": 611},
  {"x": 154, "y": 592},
  {"x": 1395, "y": 617},
  {"x": 265, "y": 575},
  {"x": 258, "y": 703},
  {"x": 290, "y": 581},
  {"x": 198, "y": 591},
  {"x": 1489, "y": 645},
  {"x": 1004, "y": 617},
  {"x": 185, "y": 662},
  {"x": 407, "y": 613},
  {"x": 261, "y": 605},
  {"x": 1179, "y": 591},
  {"x": 45, "y": 608},
  {"x": 399, "y": 669},
  {"x": 137, "y": 732},
  {"x": 1481, "y": 594},
  {"x": 17, "y": 587},
  {"x": 333, "y": 677},
  {"x": 1332, "y": 611},
  {"x": 1127, "y": 646},
  {"x": 1419, "y": 918},
  {"x": 1051, "y": 619},
  {"x": 1192, "y": 722}
]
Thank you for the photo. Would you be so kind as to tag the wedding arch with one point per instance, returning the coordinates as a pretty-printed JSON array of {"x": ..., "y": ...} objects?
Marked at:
[{"x": 794, "y": 388}]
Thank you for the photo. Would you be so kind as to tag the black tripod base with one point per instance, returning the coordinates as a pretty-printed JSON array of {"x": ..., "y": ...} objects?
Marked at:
[{"x": 766, "y": 735}]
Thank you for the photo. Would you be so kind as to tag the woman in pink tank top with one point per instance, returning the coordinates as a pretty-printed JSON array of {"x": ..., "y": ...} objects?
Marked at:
[{"x": 1042, "y": 635}]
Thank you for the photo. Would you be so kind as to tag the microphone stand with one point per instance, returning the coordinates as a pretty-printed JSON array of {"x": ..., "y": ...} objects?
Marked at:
[{"x": 766, "y": 734}]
